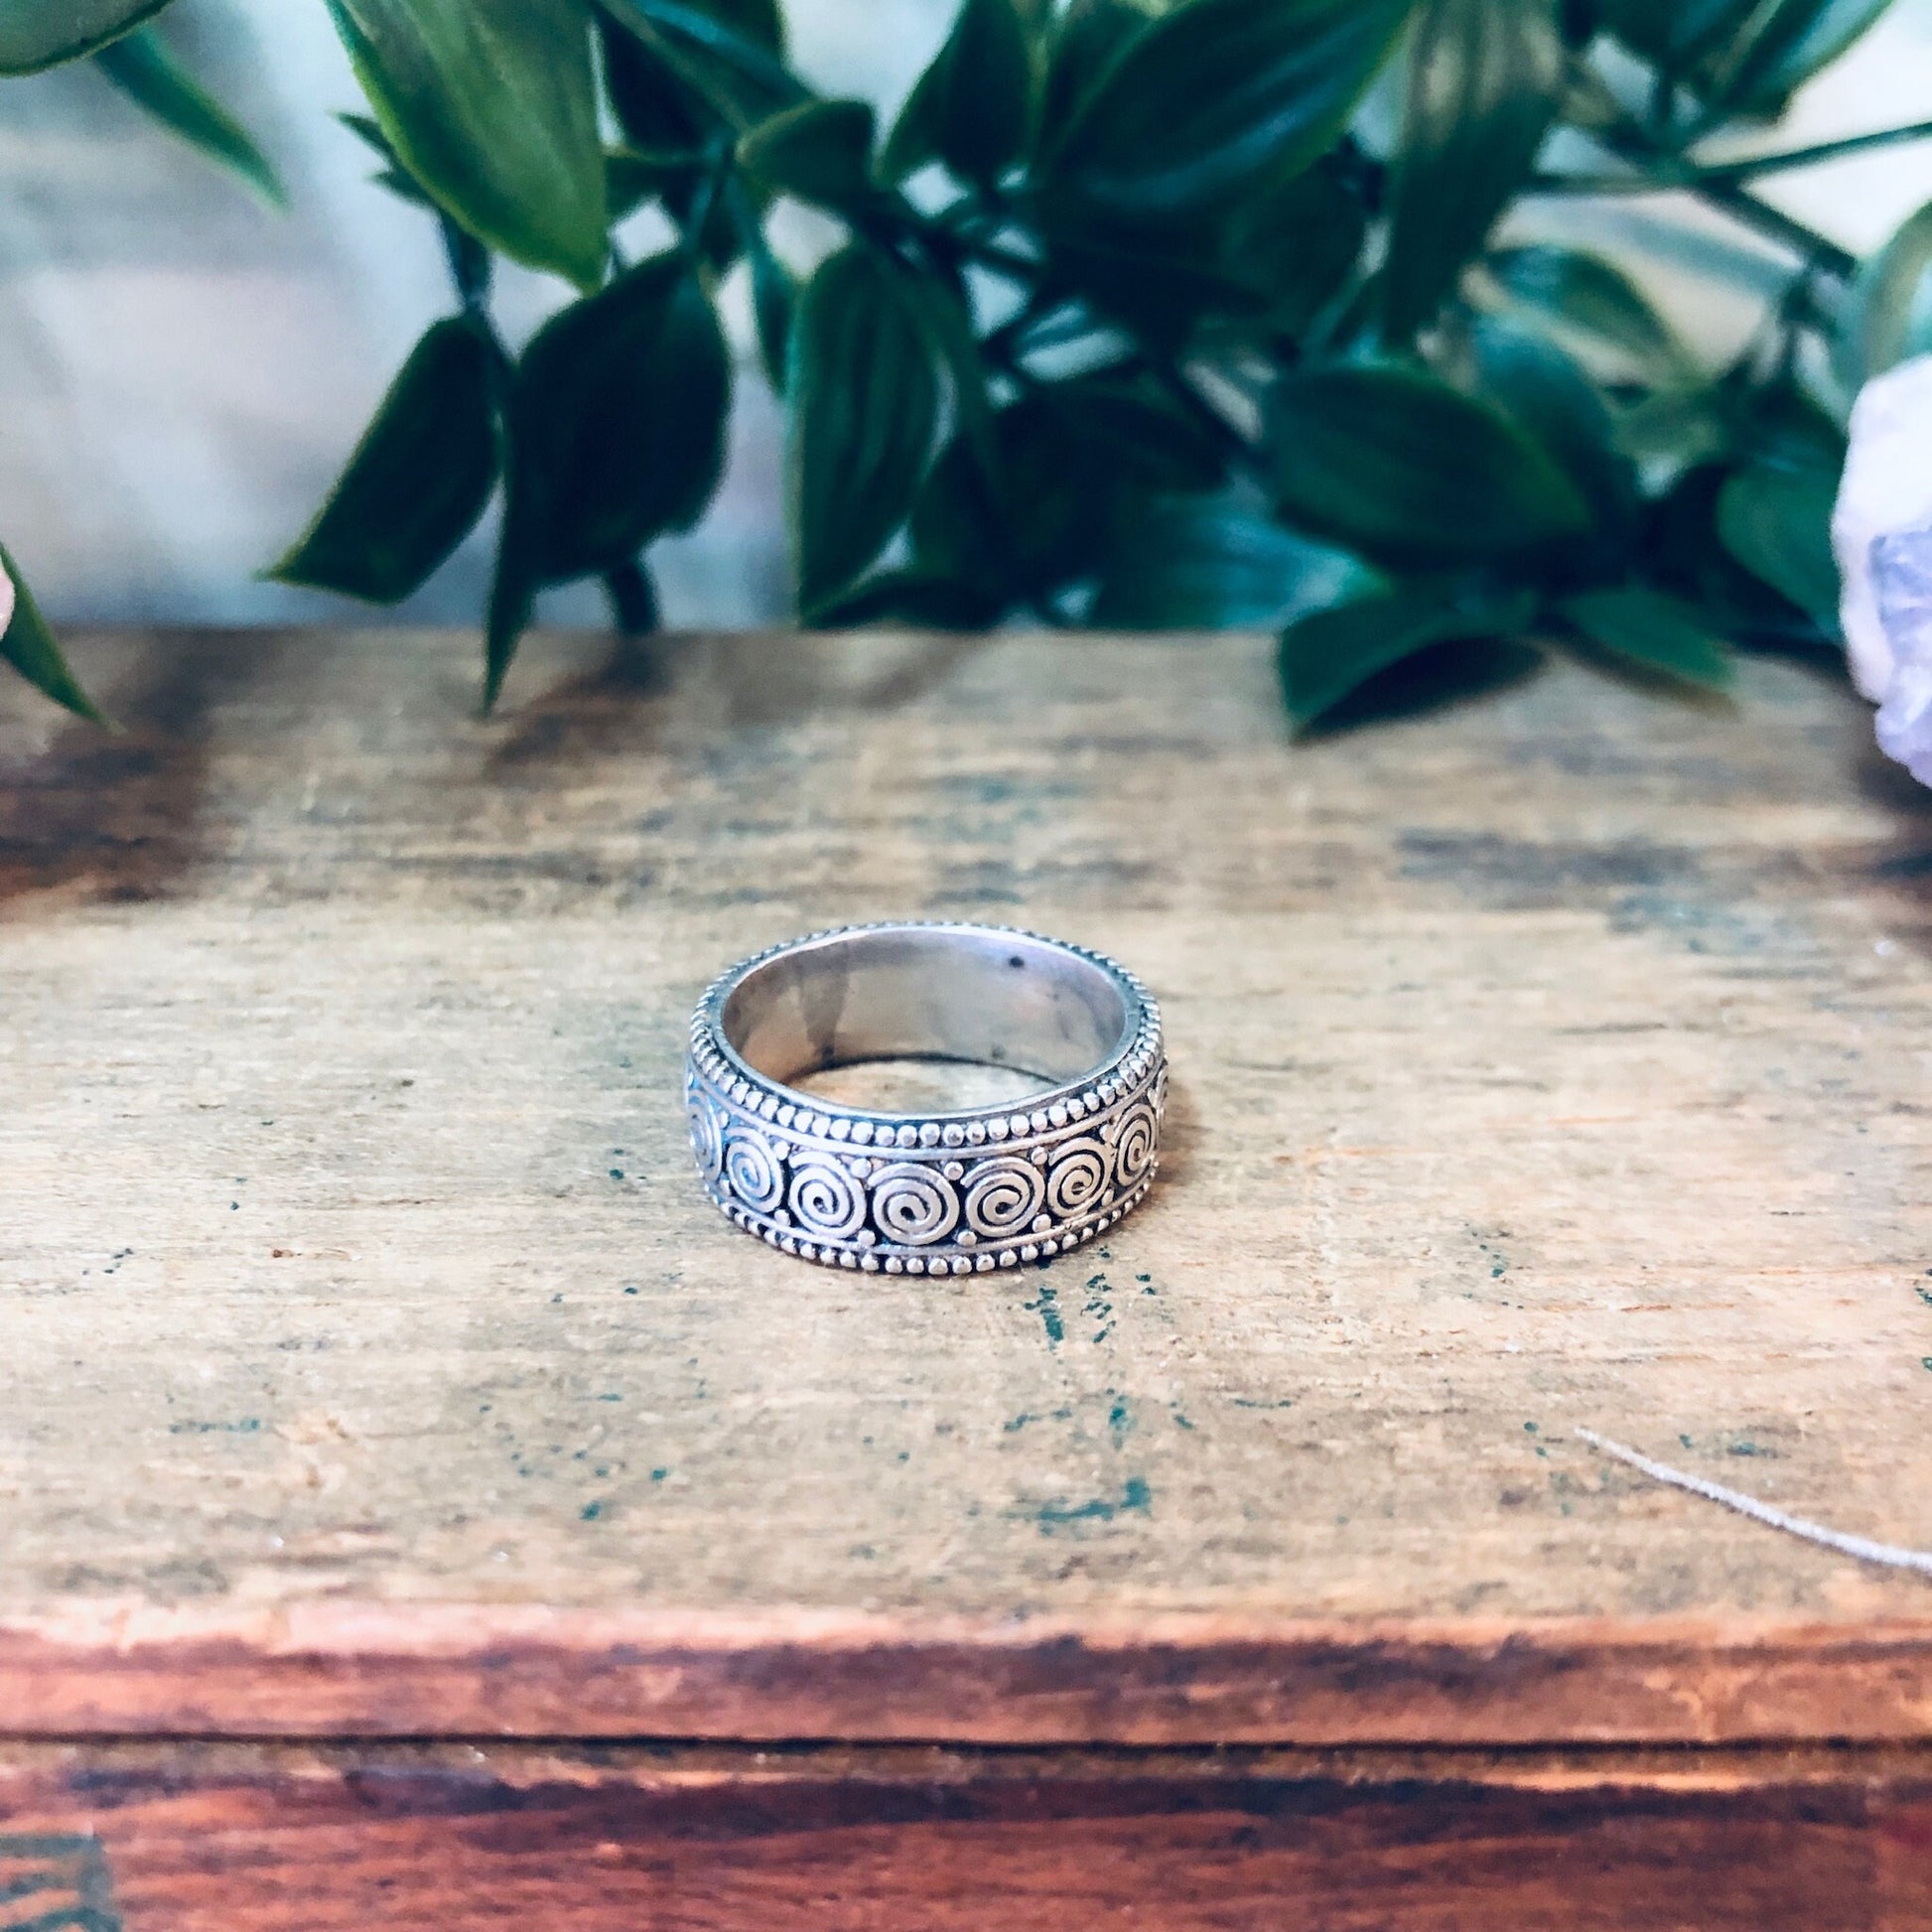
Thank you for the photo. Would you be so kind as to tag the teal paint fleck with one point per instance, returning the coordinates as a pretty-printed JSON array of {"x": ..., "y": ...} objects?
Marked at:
[
  {"x": 247, "y": 1426},
  {"x": 1744, "y": 1449},
  {"x": 590, "y": 1512},
  {"x": 1245, "y": 1402},
  {"x": 65, "y": 1882},
  {"x": 1046, "y": 1306},
  {"x": 1924, "y": 1295},
  {"x": 1530, "y": 1428},
  {"x": 1119, "y": 1422},
  {"x": 631, "y": 1288},
  {"x": 1686, "y": 1440},
  {"x": 1180, "y": 1421},
  {"x": 610, "y": 1398},
  {"x": 1135, "y": 1495},
  {"x": 658, "y": 1475},
  {"x": 616, "y": 1173},
  {"x": 1026, "y": 1415},
  {"x": 1098, "y": 1308}
]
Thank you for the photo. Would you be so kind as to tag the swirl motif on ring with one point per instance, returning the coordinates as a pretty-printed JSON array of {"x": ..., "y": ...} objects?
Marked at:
[
  {"x": 1134, "y": 1145},
  {"x": 753, "y": 1169},
  {"x": 707, "y": 1135},
  {"x": 1002, "y": 1196},
  {"x": 913, "y": 1205},
  {"x": 1077, "y": 1180},
  {"x": 825, "y": 1200}
]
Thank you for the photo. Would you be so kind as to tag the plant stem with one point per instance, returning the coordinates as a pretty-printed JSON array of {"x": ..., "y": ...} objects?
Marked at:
[
  {"x": 1774, "y": 225},
  {"x": 1695, "y": 176},
  {"x": 1631, "y": 145},
  {"x": 634, "y": 601},
  {"x": 995, "y": 255}
]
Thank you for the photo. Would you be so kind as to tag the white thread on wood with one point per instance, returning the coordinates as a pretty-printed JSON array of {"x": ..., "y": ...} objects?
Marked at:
[{"x": 1861, "y": 1547}]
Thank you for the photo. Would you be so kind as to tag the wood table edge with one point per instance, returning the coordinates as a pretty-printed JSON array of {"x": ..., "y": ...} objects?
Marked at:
[{"x": 342, "y": 1669}]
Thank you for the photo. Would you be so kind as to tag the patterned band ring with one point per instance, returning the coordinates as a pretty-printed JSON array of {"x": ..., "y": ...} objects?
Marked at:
[{"x": 945, "y": 1194}]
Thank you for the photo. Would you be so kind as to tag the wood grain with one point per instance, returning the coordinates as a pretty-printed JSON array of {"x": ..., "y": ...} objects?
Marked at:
[
  {"x": 212, "y": 1837},
  {"x": 374, "y": 1364}
]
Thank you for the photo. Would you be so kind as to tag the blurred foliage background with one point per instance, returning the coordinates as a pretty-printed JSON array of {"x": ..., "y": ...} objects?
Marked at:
[{"x": 1220, "y": 312}]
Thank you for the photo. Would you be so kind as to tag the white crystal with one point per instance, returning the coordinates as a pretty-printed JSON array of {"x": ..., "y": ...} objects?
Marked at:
[
  {"x": 1886, "y": 486},
  {"x": 1901, "y": 584}
]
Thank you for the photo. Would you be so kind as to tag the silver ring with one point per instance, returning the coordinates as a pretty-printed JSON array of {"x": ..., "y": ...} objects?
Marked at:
[{"x": 948, "y": 1193}]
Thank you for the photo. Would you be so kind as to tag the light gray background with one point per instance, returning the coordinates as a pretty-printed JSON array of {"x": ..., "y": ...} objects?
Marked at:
[{"x": 183, "y": 372}]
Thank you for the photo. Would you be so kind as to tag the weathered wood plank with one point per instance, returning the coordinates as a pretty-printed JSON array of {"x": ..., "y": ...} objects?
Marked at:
[
  {"x": 192, "y": 1837},
  {"x": 1559, "y": 1062}
]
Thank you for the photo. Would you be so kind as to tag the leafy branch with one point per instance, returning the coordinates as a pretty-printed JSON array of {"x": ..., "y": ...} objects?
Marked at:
[{"x": 1131, "y": 322}]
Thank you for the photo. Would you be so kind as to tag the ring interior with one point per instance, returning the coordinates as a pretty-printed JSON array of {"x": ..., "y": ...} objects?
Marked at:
[{"x": 997, "y": 999}]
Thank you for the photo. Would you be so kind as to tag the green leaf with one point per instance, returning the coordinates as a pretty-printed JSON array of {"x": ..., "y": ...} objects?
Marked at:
[
  {"x": 1545, "y": 393},
  {"x": 491, "y": 106},
  {"x": 942, "y": 313},
  {"x": 1744, "y": 56},
  {"x": 418, "y": 479},
  {"x": 1888, "y": 317},
  {"x": 973, "y": 107},
  {"x": 1128, "y": 428},
  {"x": 1204, "y": 564},
  {"x": 616, "y": 434},
  {"x": 1656, "y": 631},
  {"x": 1292, "y": 245},
  {"x": 723, "y": 66},
  {"x": 774, "y": 296},
  {"x": 142, "y": 66},
  {"x": 1785, "y": 44},
  {"x": 914, "y": 596},
  {"x": 394, "y": 175},
  {"x": 819, "y": 151},
  {"x": 1330, "y": 652},
  {"x": 1483, "y": 80},
  {"x": 1216, "y": 95},
  {"x": 659, "y": 112},
  {"x": 618, "y": 420},
  {"x": 1400, "y": 467},
  {"x": 1069, "y": 462},
  {"x": 1677, "y": 34},
  {"x": 761, "y": 23},
  {"x": 1776, "y": 522},
  {"x": 1595, "y": 307},
  {"x": 865, "y": 404},
  {"x": 37, "y": 33},
  {"x": 513, "y": 588},
  {"x": 31, "y": 647},
  {"x": 1085, "y": 41}
]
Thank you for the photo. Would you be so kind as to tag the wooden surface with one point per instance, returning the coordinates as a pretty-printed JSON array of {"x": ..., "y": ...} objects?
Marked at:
[
  {"x": 224, "y": 1838},
  {"x": 373, "y": 1362}
]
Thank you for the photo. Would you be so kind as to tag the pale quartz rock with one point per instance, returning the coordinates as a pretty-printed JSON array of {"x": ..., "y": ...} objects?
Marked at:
[
  {"x": 6, "y": 599},
  {"x": 1887, "y": 487},
  {"x": 1902, "y": 580}
]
